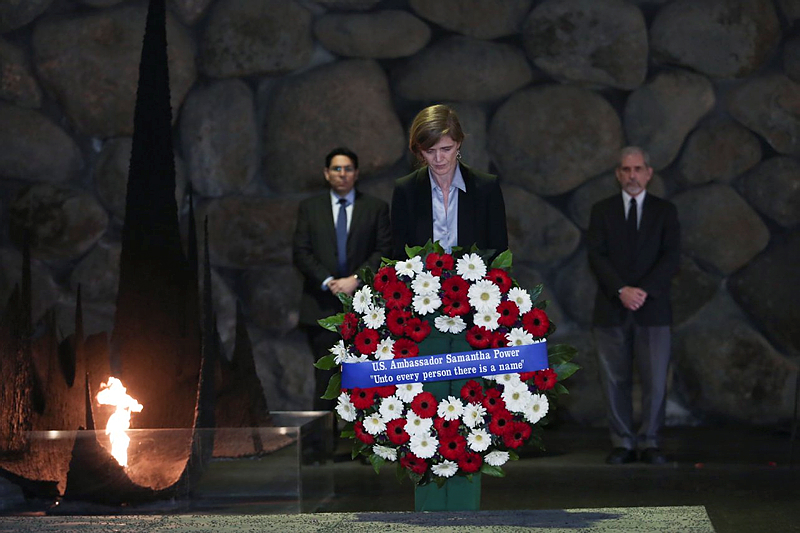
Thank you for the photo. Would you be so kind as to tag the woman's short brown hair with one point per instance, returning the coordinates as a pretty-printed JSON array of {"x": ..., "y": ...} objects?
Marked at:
[{"x": 430, "y": 125}]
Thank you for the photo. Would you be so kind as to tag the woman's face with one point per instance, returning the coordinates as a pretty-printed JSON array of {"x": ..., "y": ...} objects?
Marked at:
[{"x": 441, "y": 158}]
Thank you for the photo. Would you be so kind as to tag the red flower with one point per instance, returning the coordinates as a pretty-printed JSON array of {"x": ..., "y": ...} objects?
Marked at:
[
  {"x": 478, "y": 337},
  {"x": 545, "y": 379},
  {"x": 405, "y": 348},
  {"x": 536, "y": 322},
  {"x": 500, "y": 278},
  {"x": 446, "y": 428},
  {"x": 492, "y": 401},
  {"x": 455, "y": 286},
  {"x": 456, "y": 305},
  {"x": 362, "y": 398},
  {"x": 498, "y": 340},
  {"x": 414, "y": 463},
  {"x": 385, "y": 391},
  {"x": 396, "y": 430},
  {"x": 516, "y": 434},
  {"x": 470, "y": 462},
  {"x": 472, "y": 392},
  {"x": 525, "y": 376},
  {"x": 424, "y": 404},
  {"x": 509, "y": 313},
  {"x": 348, "y": 327},
  {"x": 501, "y": 422},
  {"x": 397, "y": 295},
  {"x": 417, "y": 329},
  {"x": 435, "y": 263},
  {"x": 362, "y": 435},
  {"x": 367, "y": 341},
  {"x": 383, "y": 277},
  {"x": 396, "y": 321},
  {"x": 452, "y": 447}
]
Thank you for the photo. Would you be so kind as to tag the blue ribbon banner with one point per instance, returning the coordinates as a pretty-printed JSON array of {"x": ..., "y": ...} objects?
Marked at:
[{"x": 462, "y": 365}]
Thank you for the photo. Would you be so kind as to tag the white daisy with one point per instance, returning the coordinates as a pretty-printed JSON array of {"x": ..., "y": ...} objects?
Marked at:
[
  {"x": 519, "y": 337},
  {"x": 391, "y": 408},
  {"x": 390, "y": 454},
  {"x": 384, "y": 349},
  {"x": 479, "y": 440},
  {"x": 487, "y": 320},
  {"x": 537, "y": 408},
  {"x": 509, "y": 380},
  {"x": 354, "y": 358},
  {"x": 407, "y": 391},
  {"x": 473, "y": 414},
  {"x": 339, "y": 352},
  {"x": 362, "y": 299},
  {"x": 345, "y": 408},
  {"x": 374, "y": 424},
  {"x": 484, "y": 296},
  {"x": 416, "y": 425},
  {"x": 426, "y": 283},
  {"x": 410, "y": 267},
  {"x": 517, "y": 400},
  {"x": 471, "y": 267},
  {"x": 423, "y": 445},
  {"x": 520, "y": 297},
  {"x": 450, "y": 409},
  {"x": 445, "y": 469},
  {"x": 426, "y": 303},
  {"x": 374, "y": 317},
  {"x": 496, "y": 458},
  {"x": 450, "y": 324}
]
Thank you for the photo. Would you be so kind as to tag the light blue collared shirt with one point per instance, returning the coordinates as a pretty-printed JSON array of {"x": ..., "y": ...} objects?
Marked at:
[{"x": 445, "y": 223}]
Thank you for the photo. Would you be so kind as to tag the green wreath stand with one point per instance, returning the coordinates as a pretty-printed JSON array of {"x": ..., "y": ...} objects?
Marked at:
[{"x": 458, "y": 492}]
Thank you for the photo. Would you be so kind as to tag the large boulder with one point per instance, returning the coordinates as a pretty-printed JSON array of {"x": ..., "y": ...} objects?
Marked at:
[
  {"x": 189, "y": 11},
  {"x": 718, "y": 151},
  {"x": 550, "y": 139},
  {"x": 720, "y": 38},
  {"x": 589, "y": 42},
  {"x": 89, "y": 62},
  {"x": 17, "y": 83},
  {"x": 659, "y": 114},
  {"x": 17, "y": 13},
  {"x": 383, "y": 34},
  {"x": 219, "y": 137},
  {"x": 475, "y": 18},
  {"x": 346, "y": 102},
  {"x": 692, "y": 288},
  {"x": 773, "y": 187},
  {"x": 791, "y": 58},
  {"x": 577, "y": 287},
  {"x": 97, "y": 273}
]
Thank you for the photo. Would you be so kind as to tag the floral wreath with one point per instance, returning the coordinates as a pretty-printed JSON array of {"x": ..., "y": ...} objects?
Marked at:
[{"x": 432, "y": 440}]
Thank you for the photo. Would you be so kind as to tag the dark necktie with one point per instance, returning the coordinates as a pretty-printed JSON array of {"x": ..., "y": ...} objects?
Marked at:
[
  {"x": 632, "y": 230},
  {"x": 341, "y": 237}
]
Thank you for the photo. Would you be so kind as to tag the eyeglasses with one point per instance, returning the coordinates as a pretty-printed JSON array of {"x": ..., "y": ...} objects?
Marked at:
[{"x": 348, "y": 169}]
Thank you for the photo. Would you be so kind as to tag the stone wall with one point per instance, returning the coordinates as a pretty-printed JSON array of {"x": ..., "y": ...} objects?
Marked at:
[{"x": 548, "y": 91}]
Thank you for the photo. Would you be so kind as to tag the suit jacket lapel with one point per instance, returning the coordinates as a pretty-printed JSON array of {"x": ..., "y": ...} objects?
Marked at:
[
  {"x": 466, "y": 207},
  {"x": 425, "y": 209}
]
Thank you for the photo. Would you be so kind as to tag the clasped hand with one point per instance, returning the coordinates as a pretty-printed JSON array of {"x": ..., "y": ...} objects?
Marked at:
[{"x": 632, "y": 297}]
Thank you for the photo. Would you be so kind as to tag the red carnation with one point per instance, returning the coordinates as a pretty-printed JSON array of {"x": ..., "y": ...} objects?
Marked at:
[
  {"x": 498, "y": 340},
  {"x": 509, "y": 313},
  {"x": 545, "y": 379},
  {"x": 348, "y": 327},
  {"x": 383, "y": 277},
  {"x": 452, "y": 447},
  {"x": 478, "y": 337},
  {"x": 397, "y": 295},
  {"x": 367, "y": 341},
  {"x": 396, "y": 321},
  {"x": 456, "y": 304},
  {"x": 362, "y": 435},
  {"x": 424, "y": 404},
  {"x": 492, "y": 401},
  {"x": 385, "y": 391},
  {"x": 501, "y": 422},
  {"x": 516, "y": 434},
  {"x": 362, "y": 398},
  {"x": 396, "y": 430},
  {"x": 446, "y": 428},
  {"x": 414, "y": 463},
  {"x": 405, "y": 348},
  {"x": 525, "y": 376},
  {"x": 417, "y": 329},
  {"x": 472, "y": 392},
  {"x": 455, "y": 286},
  {"x": 500, "y": 278},
  {"x": 435, "y": 263},
  {"x": 470, "y": 462},
  {"x": 536, "y": 322}
]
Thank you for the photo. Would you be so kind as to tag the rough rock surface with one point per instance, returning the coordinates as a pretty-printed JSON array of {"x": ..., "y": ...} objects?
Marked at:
[
  {"x": 475, "y": 18},
  {"x": 692, "y": 288},
  {"x": 718, "y": 151},
  {"x": 273, "y": 297},
  {"x": 17, "y": 82},
  {"x": 576, "y": 287},
  {"x": 97, "y": 273},
  {"x": 382, "y": 34},
  {"x": 773, "y": 188},
  {"x": 15, "y": 14}
]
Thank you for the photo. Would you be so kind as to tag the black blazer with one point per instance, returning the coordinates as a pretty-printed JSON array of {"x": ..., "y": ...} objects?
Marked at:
[
  {"x": 314, "y": 248},
  {"x": 481, "y": 212},
  {"x": 649, "y": 266}
]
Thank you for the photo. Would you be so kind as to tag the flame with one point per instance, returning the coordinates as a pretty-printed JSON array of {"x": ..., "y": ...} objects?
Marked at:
[{"x": 114, "y": 393}]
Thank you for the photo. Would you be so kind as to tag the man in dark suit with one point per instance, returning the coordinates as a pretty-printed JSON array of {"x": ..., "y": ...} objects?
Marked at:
[
  {"x": 634, "y": 250},
  {"x": 338, "y": 233}
]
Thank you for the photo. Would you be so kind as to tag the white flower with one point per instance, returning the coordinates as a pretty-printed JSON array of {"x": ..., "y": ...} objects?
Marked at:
[
  {"x": 423, "y": 445},
  {"x": 362, "y": 299},
  {"x": 519, "y": 337},
  {"x": 374, "y": 317},
  {"x": 487, "y": 320},
  {"x": 416, "y": 425},
  {"x": 445, "y": 469},
  {"x": 496, "y": 458},
  {"x": 407, "y": 391},
  {"x": 357, "y": 358},
  {"x": 509, "y": 380},
  {"x": 391, "y": 408},
  {"x": 517, "y": 399},
  {"x": 478, "y": 440},
  {"x": 537, "y": 408},
  {"x": 450, "y": 324},
  {"x": 473, "y": 414},
  {"x": 426, "y": 283},
  {"x": 410, "y": 267},
  {"x": 374, "y": 424},
  {"x": 426, "y": 303},
  {"x": 450, "y": 409},
  {"x": 471, "y": 267},
  {"x": 345, "y": 408},
  {"x": 339, "y": 352},
  {"x": 384, "y": 349},
  {"x": 520, "y": 297},
  {"x": 390, "y": 454},
  {"x": 484, "y": 296}
]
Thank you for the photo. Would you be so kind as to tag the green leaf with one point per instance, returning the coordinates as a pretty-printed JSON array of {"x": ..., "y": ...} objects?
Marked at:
[
  {"x": 502, "y": 261},
  {"x": 542, "y": 304},
  {"x": 558, "y": 388},
  {"x": 358, "y": 447},
  {"x": 332, "y": 323},
  {"x": 440, "y": 481},
  {"x": 536, "y": 292},
  {"x": 367, "y": 276},
  {"x": 412, "y": 251},
  {"x": 400, "y": 473},
  {"x": 565, "y": 370},
  {"x": 560, "y": 353},
  {"x": 513, "y": 455},
  {"x": 385, "y": 261},
  {"x": 494, "y": 471},
  {"x": 347, "y": 434},
  {"x": 347, "y": 301},
  {"x": 377, "y": 462},
  {"x": 437, "y": 247},
  {"x": 326, "y": 362},
  {"x": 334, "y": 387}
]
